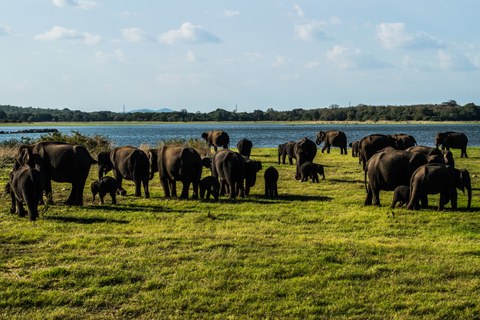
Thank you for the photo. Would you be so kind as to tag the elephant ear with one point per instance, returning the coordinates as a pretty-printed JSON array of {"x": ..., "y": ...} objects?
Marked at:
[{"x": 463, "y": 179}]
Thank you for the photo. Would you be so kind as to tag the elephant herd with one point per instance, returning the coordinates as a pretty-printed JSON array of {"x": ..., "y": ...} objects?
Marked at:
[{"x": 391, "y": 162}]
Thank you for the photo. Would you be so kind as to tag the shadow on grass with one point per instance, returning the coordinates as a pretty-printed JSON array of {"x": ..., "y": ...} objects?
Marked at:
[
  {"x": 84, "y": 220},
  {"x": 136, "y": 208}
]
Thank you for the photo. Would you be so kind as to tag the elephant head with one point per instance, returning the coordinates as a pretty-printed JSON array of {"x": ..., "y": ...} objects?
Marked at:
[
  {"x": 440, "y": 138},
  {"x": 463, "y": 182},
  {"x": 320, "y": 137},
  {"x": 104, "y": 163},
  {"x": 25, "y": 156}
]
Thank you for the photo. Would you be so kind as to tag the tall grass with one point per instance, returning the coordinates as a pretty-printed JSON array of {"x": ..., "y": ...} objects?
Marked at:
[{"x": 313, "y": 253}]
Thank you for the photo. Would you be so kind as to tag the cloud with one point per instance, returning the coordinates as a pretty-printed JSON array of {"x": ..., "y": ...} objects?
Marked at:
[
  {"x": 71, "y": 35},
  {"x": 453, "y": 62},
  {"x": 353, "y": 58},
  {"x": 188, "y": 34},
  {"x": 312, "y": 64},
  {"x": 396, "y": 35},
  {"x": 299, "y": 10},
  {"x": 230, "y": 13},
  {"x": 102, "y": 57},
  {"x": 79, "y": 4},
  {"x": 281, "y": 61},
  {"x": 252, "y": 56},
  {"x": 5, "y": 30},
  {"x": 135, "y": 35},
  {"x": 312, "y": 31}
]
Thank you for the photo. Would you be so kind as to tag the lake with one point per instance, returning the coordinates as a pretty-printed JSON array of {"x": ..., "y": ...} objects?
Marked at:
[{"x": 263, "y": 135}]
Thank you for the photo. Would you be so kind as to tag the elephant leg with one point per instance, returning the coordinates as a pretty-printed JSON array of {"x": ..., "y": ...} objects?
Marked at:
[
  {"x": 48, "y": 191},
  {"x": 290, "y": 161},
  {"x": 315, "y": 178},
  {"x": 215, "y": 148},
  {"x": 368, "y": 198},
  {"x": 166, "y": 189},
  {"x": 185, "y": 185},
  {"x": 195, "y": 189},
  {"x": 453, "y": 197},
  {"x": 146, "y": 191},
  {"x": 114, "y": 197},
  {"x": 241, "y": 191},
  {"x": 173, "y": 187},
  {"x": 138, "y": 188},
  {"x": 443, "y": 200},
  {"x": 328, "y": 149},
  {"x": 119, "y": 179},
  {"x": 101, "y": 194},
  {"x": 13, "y": 206},
  {"x": 20, "y": 209}
]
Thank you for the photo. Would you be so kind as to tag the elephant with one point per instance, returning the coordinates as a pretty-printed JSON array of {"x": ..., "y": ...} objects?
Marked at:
[
  {"x": 354, "y": 146},
  {"x": 25, "y": 186},
  {"x": 106, "y": 185},
  {"x": 244, "y": 147},
  {"x": 332, "y": 138},
  {"x": 229, "y": 167},
  {"x": 176, "y": 163},
  {"x": 369, "y": 145},
  {"x": 286, "y": 149},
  {"x": 271, "y": 180},
  {"x": 401, "y": 195},
  {"x": 305, "y": 150},
  {"x": 216, "y": 138},
  {"x": 60, "y": 162},
  {"x": 404, "y": 141},
  {"x": 311, "y": 170},
  {"x": 388, "y": 170},
  {"x": 128, "y": 163},
  {"x": 439, "y": 178},
  {"x": 446, "y": 156},
  {"x": 251, "y": 169},
  {"x": 454, "y": 140},
  {"x": 211, "y": 186}
]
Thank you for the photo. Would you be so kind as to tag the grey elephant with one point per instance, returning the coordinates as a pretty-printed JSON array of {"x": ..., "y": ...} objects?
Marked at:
[
  {"x": 332, "y": 138},
  {"x": 403, "y": 140},
  {"x": 210, "y": 186},
  {"x": 305, "y": 151},
  {"x": 439, "y": 178},
  {"x": 216, "y": 138},
  {"x": 229, "y": 167},
  {"x": 176, "y": 163},
  {"x": 244, "y": 147},
  {"x": 354, "y": 146},
  {"x": 286, "y": 149},
  {"x": 251, "y": 169},
  {"x": 401, "y": 195},
  {"x": 25, "y": 186},
  {"x": 128, "y": 163},
  {"x": 271, "y": 182},
  {"x": 452, "y": 140},
  {"x": 59, "y": 162},
  {"x": 388, "y": 170},
  {"x": 369, "y": 145},
  {"x": 446, "y": 156},
  {"x": 106, "y": 185},
  {"x": 310, "y": 170}
]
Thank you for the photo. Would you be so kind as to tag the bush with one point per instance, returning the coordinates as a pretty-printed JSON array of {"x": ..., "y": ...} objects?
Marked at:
[{"x": 196, "y": 143}]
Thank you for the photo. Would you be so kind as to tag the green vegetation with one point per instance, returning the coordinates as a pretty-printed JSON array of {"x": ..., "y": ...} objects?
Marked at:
[
  {"x": 445, "y": 111},
  {"x": 313, "y": 253}
]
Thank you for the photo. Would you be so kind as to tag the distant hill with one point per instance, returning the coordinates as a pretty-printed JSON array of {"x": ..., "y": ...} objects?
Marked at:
[{"x": 149, "y": 110}]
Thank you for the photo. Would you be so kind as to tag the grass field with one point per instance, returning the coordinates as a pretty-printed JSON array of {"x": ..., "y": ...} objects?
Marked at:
[{"x": 314, "y": 253}]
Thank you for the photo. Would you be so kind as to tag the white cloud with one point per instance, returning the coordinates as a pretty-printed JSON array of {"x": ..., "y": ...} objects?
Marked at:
[
  {"x": 396, "y": 35},
  {"x": 299, "y": 10},
  {"x": 80, "y": 4},
  {"x": 191, "y": 56},
  {"x": 313, "y": 64},
  {"x": 5, "y": 30},
  {"x": 281, "y": 61},
  {"x": 102, "y": 57},
  {"x": 252, "y": 56},
  {"x": 335, "y": 20},
  {"x": 71, "y": 35},
  {"x": 135, "y": 35},
  {"x": 453, "y": 62},
  {"x": 353, "y": 58},
  {"x": 311, "y": 31},
  {"x": 188, "y": 34},
  {"x": 230, "y": 13}
]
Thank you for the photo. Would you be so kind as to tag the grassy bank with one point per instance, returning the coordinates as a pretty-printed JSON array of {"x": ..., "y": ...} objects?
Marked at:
[{"x": 315, "y": 252}]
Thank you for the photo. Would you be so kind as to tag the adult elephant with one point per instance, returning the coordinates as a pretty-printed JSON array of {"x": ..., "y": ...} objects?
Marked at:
[
  {"x": 354, "y": 146},
  {"x": 332, "y": 138},
  {"x": 216, "y": 138},
  {"x": 369, "y": 145},
  {"x": 446, "y": 156},
  {"x": 286, "y": 149},
  {"x": 454, "y": 140},
  {"x": 251, "y": 169},
  {"x": 439, "y": 178},
  {"x": 176, "y": 163},
  {"x": 404, "y": 141},
  {"x": 128, "y": 163},
  {"x": 60, "y": 162},
  {"x": 244, "y": 147},
  {"x": 305, "y": 151},
  {"x": 229, "y": 167},
  {"x": 388, "y": 170}
]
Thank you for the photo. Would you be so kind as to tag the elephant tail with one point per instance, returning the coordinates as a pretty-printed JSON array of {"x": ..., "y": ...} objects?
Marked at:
[{"x": 365, "y": 178}]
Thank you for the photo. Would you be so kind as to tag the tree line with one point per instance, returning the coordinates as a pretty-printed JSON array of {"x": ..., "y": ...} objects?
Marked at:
[{"x": 446, "y": 111}]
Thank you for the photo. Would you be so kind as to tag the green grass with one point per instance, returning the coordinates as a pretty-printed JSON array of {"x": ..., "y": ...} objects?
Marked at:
[{"x": 313, "y": 253}]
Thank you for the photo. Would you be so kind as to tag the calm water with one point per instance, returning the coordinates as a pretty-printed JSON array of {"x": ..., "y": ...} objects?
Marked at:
[{"x": 262, "y": 135}]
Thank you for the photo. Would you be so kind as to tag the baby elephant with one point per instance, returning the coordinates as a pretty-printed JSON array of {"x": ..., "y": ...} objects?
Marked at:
[
  {"x": 106, "y": 185},
  {"x": 25, "y": 186},
  {"x": 271, "y": 179},
  {"x": 311, "y": 170},
  {"x": 211, "y": 186},
  {"x": 401, "y": 195}
]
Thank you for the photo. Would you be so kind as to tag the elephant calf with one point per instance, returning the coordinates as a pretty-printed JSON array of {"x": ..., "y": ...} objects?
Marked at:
[
  {"x": 106, "y": 185},
  {"x": 311, "y": 170},
  {"x": 25, "y": 186},
  {"x": 271, "y": 179},
  {"x": 401, "y": 195},
  {"x": 211, "y": 186}
]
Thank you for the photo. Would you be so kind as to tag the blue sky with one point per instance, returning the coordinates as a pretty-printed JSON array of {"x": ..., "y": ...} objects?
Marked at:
[{"x": 93, "y": 55}]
